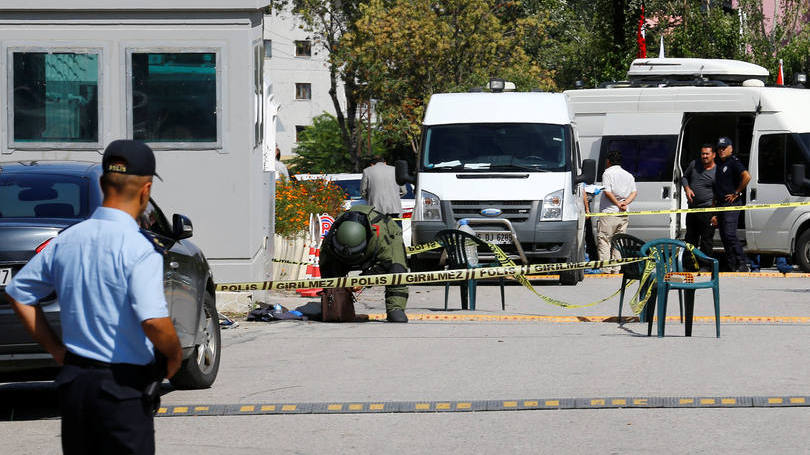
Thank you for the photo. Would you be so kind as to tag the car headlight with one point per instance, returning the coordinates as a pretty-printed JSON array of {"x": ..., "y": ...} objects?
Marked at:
[
  {"x": 552, "y": 206},
  {"x": 431, "y": 207}
]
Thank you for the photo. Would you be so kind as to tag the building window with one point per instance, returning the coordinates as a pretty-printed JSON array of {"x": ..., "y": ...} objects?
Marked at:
[
  {"x": 55, "y": 97},
  {"x": 174, "y": 97},
  {"x": 303, "y": 91},
  {"x": 268, "y": 48},
  {"x": 303, "y": 48},
  {"x": 298, "y": 130}
]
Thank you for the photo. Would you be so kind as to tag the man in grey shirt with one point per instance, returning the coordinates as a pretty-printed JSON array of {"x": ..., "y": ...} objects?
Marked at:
[
  {"x": 698, "y": 183},
  {"x": 379, "y": 188}
]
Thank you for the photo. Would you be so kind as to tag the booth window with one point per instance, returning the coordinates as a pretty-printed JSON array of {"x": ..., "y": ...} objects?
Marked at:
[
  {"x": 258, "y": 95},
  {"x": 303, "y": 91},
  {"x": 55, "y": 97},
  {"x": 303, "y": 48},
  {"x": 174, "y": 97}
]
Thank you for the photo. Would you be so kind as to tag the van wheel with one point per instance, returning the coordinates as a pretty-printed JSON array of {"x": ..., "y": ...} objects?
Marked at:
[
  {"x": 200, "y": 370},
  {"x": 803, "y": 251},
  {"x": 571, "y": 278}
]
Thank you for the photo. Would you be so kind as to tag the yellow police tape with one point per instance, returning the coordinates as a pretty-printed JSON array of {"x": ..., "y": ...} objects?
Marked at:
[
  {"x": 732, "y": 208},
  {"x": 408, "y": 278}
]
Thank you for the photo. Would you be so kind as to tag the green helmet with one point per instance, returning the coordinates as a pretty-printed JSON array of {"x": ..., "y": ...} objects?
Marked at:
[{"x": 349, "y": 241}]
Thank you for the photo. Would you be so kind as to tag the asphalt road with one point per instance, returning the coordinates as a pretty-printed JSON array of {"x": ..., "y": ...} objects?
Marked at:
[{"x": 501, "y": 361}]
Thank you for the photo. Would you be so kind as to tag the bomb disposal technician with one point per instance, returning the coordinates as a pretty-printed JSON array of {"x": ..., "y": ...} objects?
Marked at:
[
  {"x": 365, "y": 239},
  {"x": 108, "y": 278}
]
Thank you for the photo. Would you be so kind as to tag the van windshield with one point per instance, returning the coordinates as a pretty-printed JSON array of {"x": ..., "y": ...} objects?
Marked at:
[{"x": 533, "y": 147}]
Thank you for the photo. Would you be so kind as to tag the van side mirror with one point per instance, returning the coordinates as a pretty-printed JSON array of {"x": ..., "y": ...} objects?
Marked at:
[
  {"x": 181, "y": 227},
  {"x": 588, "y": 174},
  {"x": 797, "y": 175},
  {"x": 402, "y": 174}
]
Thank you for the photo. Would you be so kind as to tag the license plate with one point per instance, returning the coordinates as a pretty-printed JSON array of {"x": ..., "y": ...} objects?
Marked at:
[
  {"x": 5, "y": 276},
  {"x": 498, "y": 238}
]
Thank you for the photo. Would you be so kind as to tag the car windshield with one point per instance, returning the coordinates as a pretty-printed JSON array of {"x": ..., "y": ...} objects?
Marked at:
[
  {"x": 351, "y": 188},
  {"x": 43, "y": 196},
  {"x": 532, "y": 147}
]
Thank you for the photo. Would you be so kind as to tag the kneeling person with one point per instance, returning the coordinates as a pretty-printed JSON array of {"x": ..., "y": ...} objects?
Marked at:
[{"x": 367, "y": 240}]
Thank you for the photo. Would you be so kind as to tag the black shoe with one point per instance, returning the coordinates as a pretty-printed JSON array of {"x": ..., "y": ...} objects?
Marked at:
[
  {"x": 743, "y": 268},
  {"x": 397, "y": 316}
]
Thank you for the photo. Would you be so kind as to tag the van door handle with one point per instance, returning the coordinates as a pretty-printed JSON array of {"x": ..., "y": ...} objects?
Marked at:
[
  {"x": 174, "y": 265},
  {"x": 753, "y": 196},
  {"x": 665, "y": 193}
]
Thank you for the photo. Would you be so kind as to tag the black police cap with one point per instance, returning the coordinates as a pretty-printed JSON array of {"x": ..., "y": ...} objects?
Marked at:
[{"x": 127, "y": 156}]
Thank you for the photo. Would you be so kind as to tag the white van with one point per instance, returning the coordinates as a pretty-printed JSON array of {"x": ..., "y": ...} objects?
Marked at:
[
  {"x": 669, "y": 107},
  {"x": 508, "y": 162}
]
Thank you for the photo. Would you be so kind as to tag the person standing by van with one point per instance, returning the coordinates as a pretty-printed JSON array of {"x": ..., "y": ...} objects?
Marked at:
[
  {"x": 379, "y": 188},
  {"x": 619, "y": 190},
  {"x": 730, "y": 181},
  {"x": 698, "y": 183}
]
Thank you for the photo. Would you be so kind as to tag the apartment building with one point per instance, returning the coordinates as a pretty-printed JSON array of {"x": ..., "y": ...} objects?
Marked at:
[{"x": 297, "y": 66}]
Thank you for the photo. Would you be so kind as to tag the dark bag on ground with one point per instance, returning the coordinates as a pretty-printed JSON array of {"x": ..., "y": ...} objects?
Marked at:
[{"x": 337, "y": 305}]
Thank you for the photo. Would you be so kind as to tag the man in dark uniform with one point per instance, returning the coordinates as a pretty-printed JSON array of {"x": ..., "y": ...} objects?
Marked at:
[
  {"x": 365, "y": 239},
  {"x": 730, "y": 181},
  {"x": 108, "y": 278}
]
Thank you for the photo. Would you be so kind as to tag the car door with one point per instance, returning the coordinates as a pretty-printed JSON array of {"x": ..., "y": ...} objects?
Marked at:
[
  {"x": 152, "y": 220},
  {"x": 776, "y": 153}
]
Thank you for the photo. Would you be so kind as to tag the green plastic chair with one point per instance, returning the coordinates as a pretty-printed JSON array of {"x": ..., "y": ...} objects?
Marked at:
[
  {"x": 628, "y": 246},
  {"x": 453, "y": 242},
  {"x": 668, "y": 254}
]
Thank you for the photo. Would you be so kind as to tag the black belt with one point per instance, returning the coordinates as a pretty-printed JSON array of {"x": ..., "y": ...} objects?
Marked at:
[{"x": 84, "y": 362}]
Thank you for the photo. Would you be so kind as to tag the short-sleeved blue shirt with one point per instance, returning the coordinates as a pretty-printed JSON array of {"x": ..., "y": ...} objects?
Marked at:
[{"x": 108, "y": 278}]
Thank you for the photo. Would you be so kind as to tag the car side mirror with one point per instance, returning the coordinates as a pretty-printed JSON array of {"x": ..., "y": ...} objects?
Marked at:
[
  {"x": 402, "y": 174},
  {"x": 181, "y": 227},
  {"x": 588, "y": 174},
  {"x": 797, "y": 175}
]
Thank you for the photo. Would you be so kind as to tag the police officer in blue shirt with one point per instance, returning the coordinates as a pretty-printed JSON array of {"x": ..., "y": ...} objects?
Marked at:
[
  {"x": 108, "y": 278},
  {"x": 730, "y": 181}
]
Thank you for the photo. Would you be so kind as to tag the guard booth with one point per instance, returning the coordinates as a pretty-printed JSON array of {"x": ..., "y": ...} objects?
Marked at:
[{"x": 185, "y": 76}]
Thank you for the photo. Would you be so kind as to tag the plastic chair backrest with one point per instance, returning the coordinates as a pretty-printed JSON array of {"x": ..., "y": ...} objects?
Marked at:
[
  {"x": 668, "y": 252},
  {"x": 453, "y": 242},
  {"x": 629, "y": 246}
]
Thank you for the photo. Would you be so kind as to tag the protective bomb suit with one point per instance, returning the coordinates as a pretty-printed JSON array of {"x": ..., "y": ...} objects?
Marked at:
[{"x": 367, "y": 240}]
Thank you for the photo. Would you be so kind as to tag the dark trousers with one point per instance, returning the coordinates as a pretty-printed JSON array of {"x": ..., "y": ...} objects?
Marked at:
[
  {"x": 728, "y": 222},
  {"x": 699, "y": 231},
  {"x": 104, "y": 410},
  {"x": 590, "y": 241}
]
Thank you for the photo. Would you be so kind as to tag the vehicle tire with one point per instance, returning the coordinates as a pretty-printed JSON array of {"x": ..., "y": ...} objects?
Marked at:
[
  {"x": 803, "y": 251},
  {"x": 200, "y": 369},
  {"x": 571, "y": 278}
]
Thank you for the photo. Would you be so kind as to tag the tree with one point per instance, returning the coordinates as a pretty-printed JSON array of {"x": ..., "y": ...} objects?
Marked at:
[
  {"x": 320, "y": 148},
  {"x": 406, "y": 50},
  {"x": 784, "y": 36}
]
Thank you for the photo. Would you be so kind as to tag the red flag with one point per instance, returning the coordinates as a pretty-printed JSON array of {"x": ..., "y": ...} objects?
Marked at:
[
  {"x": 780, "y": 78},
  {"x": 641, "y": 36}
]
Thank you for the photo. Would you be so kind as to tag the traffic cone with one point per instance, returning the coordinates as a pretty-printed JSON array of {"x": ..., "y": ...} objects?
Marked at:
[{"x": 313, "y": 271}]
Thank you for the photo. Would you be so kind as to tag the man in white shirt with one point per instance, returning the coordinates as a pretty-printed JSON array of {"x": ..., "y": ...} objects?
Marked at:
[
  {"x": 281, "y": 168},
  {"x": 619, "y": 190}
]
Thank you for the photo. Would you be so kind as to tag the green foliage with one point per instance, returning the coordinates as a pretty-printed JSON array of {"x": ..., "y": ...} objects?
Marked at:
[
  {"x": 407, "y": 50},
  {"x": 320, "y": 148}
]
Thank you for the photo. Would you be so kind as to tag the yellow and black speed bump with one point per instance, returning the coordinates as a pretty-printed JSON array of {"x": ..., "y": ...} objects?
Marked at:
[{"x": 525, "y": 404}]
